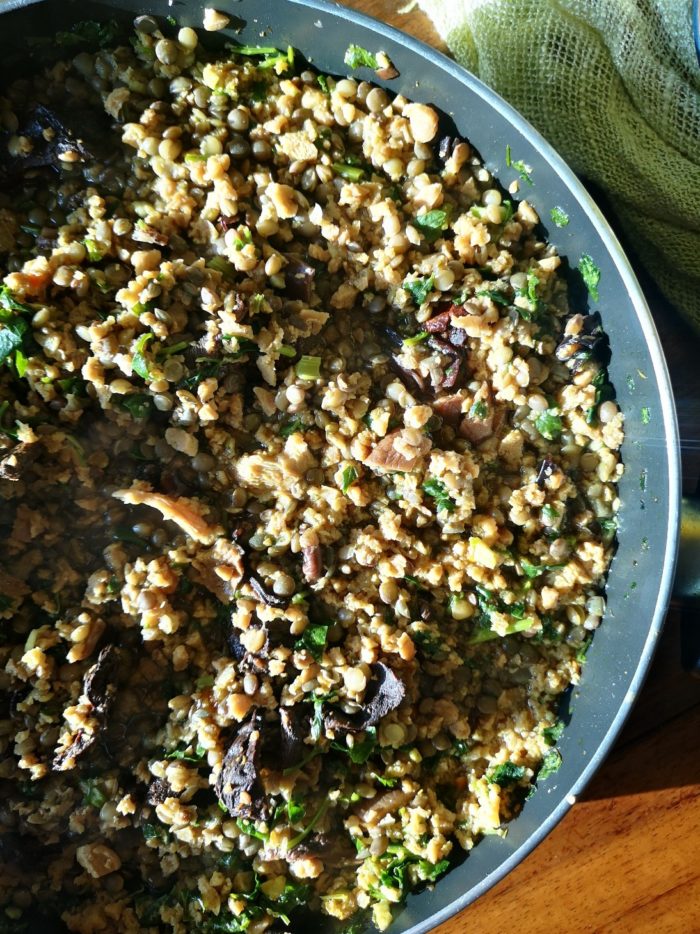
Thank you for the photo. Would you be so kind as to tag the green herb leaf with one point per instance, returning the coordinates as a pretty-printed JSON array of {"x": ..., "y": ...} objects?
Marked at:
[
  {"x": 415, "y": 339},
  {"x": 11, "y": 336},
  {"x": 309, "y": 368},
  {"x": 549, "y": 424},
  {"x": 10, "y": 303},
  {"x": 495, "y": 295},
  {"x": 559, "y": 217},
  {"x": 479, "y": 409},
  {"x": 524, "y": 171},
  {"x": 92, "y": 792},
  {"x": 21, "y": 363},
  {"x": 323, "y": 83},
  {"x": 509, "y": 158},
  {"x": 646, "y": 415},
  {"x": 249, "y": 828},
  {"x": 291, "y": 427},
  {"x": 224, "y": 266},
  {"x": 591, "y": 275},
  {"x": 357, "y": 57},
  {"x": 550, "y": 764},
  {"x": 313, "y": 640},
  {"x": 353, "y": 173},
  {"x": 534, "y": 570},
  {"x": 419, "y": 289},
  {"x": 550, "y": 513},
  {"x": 552, "y": 734},
  {"x": 295, "y": 841},
  {"x": 508, "y": 773},
  {"x": 431, "y": 224},
  {"x": 438, "y": 491},
  {"x": 362, "y": 749},
  {"x": 93, "y": 251},
  {"x": 349, "y": 476},
  {"x": 89, "y": 35},
  {"x": 139, "y": 404},
  {"x": 139, "y": 364}
]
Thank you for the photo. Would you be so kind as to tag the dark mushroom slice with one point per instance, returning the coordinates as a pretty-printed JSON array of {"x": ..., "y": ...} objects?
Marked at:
[
  {"x": 590, "y": 343},
  {"x": 312, "y": 563},
  {"x": 385, "y": 693},
  {"x": 98, "y": 684},
  {"x": 238, "y": 786},
  {"x": 298, "y": 278},
  {"x": 335, "y": 849},
  {"x": 264, "y": 595},
  {"x": 546, "y": 469},
  {"x": 158, "y": 791},
  {"x": 294, "y": 728},
  {"x": 439, "y": 323}
]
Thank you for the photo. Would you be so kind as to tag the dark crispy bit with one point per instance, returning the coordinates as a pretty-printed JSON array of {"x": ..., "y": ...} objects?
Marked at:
[
  {"x": 17, "y": 460},
  {"x": 590, "y": 343},
  {"x": 546, "y": 469},
  {"x": 261, "y": 592},
  {"x": 238, "y": 786},
  {"x": 334, "y": 849},
  {"x": 158, "y": 791},
  {"x": 294, "y": 727},
  {"x": 98, "y": 684},
  {"x": 78, "y": 129},
  {"x": 298, "y": 278},
  {"x": 65, "y": 759},
  {"x": 439, "y": 323},
  {"x": 384, "y": 694},
  {"x": 312, "y": 563}
]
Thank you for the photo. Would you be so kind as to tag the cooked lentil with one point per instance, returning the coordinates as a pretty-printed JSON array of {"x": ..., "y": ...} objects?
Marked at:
[{"x": 308, "y": 473}]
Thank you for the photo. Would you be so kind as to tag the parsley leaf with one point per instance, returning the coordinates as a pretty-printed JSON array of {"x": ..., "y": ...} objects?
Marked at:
[
  {"x": 508, "y": 773},
  {"x": 524, "y": 171},
  {"x": 313, "y": 640},
  {"x": 361, "y": 750},
  {"x": 438, "y": 491},
  {"x": 357, "y": 57},
  {"x": 479, "y": 409},
  {"x": 139, "y": 364},
  {"x": 550, "y": 764},
  {"x": 431, "y": 224},
  {"x": 12, "y": 336},
  {"x": 552, "y": 734},
  {"x": 348, "y": 478},
  {"x": 139, "y": 404},
  {"x": 495, "y": 295},
  {"x": 419, "y": 289},
  {"x": 591, "y": 275},
  {"x": 532, "y": 571},
  {"x": 549, "y": 424},
  {"x": 291, "y": 427},
  {"x": 559, "y": 217}
]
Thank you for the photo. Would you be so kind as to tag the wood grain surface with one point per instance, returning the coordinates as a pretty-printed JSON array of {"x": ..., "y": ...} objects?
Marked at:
[{"x": 627, "y": 856}]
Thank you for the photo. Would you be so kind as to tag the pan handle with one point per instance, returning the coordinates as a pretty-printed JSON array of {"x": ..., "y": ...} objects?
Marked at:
[{"x": 686, "y": 588}]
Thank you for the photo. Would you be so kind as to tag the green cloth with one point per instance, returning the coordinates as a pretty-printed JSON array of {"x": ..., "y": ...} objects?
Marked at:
[{"x": 614, "y": 85}]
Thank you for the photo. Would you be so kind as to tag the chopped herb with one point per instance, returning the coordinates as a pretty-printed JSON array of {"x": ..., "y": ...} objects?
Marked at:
[
  {"x": 524, "y": 171},
  {"x": 438, "y": 491},
  {"x": 93, "y": 251},
  {"x": 12, "y": 336},
  {"x": 432, "y": 223},
  {"x": 552, "y": 734},
  {"x": 357, "y": 57},
  {"x": 583, "y": 651},
  {"x": 155, "y": 832},
  {"x": 171, "y": 20},
  {"x": 173, "y": 348},
  {"x": 419, "y": 289},
  {"x": 323, "y": 83},
  {"x": 224, "y": 266},
  {"x": 92, "y": 793},
  {"x": 508, "y": 773},
  {"x": 415, "y": 339},
  {"x": 139, "y": 364},
  {"x": 479, "y": 409},
  {"x": 317, "y": 721},
  {"x": 353, "y": 173},
  {"x": 484, "y": 634},
  {"x": 194, "y": 156},
  {"x": 184, "y": 756},
  {"x": 309, "y": 368},
  {"x": 249, "y": 828},
  {"x": 295, "y": 841},
  {"x": 88, "y": 35},
  {"x": 509, "y": 158},
  {"x": 286, "y": 351},
  {"x": 559, "y": 217},
  {"x": 291, "y": 427},
  {"x": 21, "y": 363},
  {"x": 313, "y": 640},
  {"x": 349, "y": 476},
  {"x": 591, "y": 275},
  {"x": 646, "y": 415},
  {"x": 550, "y": 513},
  {"x": 141, "y": 308},
  {"x": 550, "y": 764},
  {"x": 139, "y": 404},
  {"x": 271, "y": 57},
  {"x": 419, "y": 585},
  {"x": 361, "y": 750},
  {"x": 549, "y": 424},
  {"x": 295, "y": 810},
  {"x": 495, "y": 295},
  {"x": 534, "y": 570}
]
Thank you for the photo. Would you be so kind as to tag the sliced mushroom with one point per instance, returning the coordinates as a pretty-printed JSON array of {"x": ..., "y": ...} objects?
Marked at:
[
  {"x": 449, "y": 408},
  {"x": 312, "y": 563},
  {"x": 294, "y": 728},
  {"x": 238, "y": 786},
  {"x": 384, "y": 694},
  {"x": 298, "y": 278},
  {"x": 385, "y": 456},
  {"x": 177, "y": 510},
  {"x": 476, "y": 429},
  {"x": 98, "y": 683}
]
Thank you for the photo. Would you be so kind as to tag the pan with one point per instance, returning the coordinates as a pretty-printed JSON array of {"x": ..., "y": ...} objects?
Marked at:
[{"x": 642, "y": 573}]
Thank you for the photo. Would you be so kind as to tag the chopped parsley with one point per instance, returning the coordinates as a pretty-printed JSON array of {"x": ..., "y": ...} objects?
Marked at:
[
  {"x": 349, "y": 476},
  {"x": 532, "y": 571},
  {"x": 361, "y": 750},
  {"x": 432, "y": 223},
  {"x": 196, "y": 757},
  {"x": 550, "y": 764},
  {"x": 549, "y": 424},
  {"x": 550, "y": 513},
  {"x": 415, "y": 339},
  {"x": 559, "y": 217},
  {"x": 353, "y": 173},
  {"x": 291, "y": 427},
  {"x": 552, "y": 734},
  {"x": 138, "y": 404},
  {"x": 88, "y": 35},
  {"x": 508, "y": 773},
  {"x": 495, "y": 295},
  {"x": 92, "y": 792},
  {"x": 323, "y": 83},
  {"x": 420, "y": 288},
  {"x": 479, "y": 409},
  {"x": 357, "y": 57},
  {"x": 249, "y": 828},
  {"x": 590, "y": 273},
  {"x": 438, "y": 491},
  {"x": 313, "y": 640},
  {"x": 139, "y": 364},
  {"x": 646, "y": 415}
]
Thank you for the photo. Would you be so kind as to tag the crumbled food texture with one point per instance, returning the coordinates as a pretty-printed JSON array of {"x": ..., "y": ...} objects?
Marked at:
[
  {"x": 213, "y": 20},
  {"x": 308, "y": 467}
]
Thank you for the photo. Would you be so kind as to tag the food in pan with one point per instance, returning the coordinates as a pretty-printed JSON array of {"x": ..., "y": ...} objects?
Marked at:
[{"x": 307, "y": 468}]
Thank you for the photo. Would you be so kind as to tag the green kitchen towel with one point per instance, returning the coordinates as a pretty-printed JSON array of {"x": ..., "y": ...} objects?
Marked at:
[{"x": 614, "y": 85}]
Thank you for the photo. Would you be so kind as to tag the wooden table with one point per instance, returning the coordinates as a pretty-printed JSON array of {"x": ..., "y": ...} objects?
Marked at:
[{"x": 627, "y": 857}]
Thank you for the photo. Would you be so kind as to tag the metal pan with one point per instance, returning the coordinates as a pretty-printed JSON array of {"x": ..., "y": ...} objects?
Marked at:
[{"x": 642, "y": 573}]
